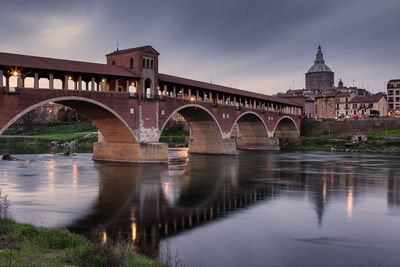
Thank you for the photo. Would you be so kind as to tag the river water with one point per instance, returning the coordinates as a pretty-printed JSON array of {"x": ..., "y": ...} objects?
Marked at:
[{"x": 253, "y": 209}]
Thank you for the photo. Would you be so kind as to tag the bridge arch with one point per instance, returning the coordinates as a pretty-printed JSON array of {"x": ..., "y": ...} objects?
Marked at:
[
  {"x": 205, "y": 131},
  {"x": 253, "y": 132},
  {"x": 110, "y": 124},
  {"x": 286, "y": 127}
]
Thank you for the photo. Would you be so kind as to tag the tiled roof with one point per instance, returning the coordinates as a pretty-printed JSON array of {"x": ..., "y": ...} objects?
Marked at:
[
  {"x": 368, "y": 98},
  {"x": 344, "y": 94},
  {"x": 140, "y": 48},
  {"x": 228, "y": 90},
  {"x": 327, "y": 94},
  {"x": 68, "y": 66}
]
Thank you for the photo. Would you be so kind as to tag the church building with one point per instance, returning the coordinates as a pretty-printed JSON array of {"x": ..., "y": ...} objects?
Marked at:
[{"x": 319, "y": 76}]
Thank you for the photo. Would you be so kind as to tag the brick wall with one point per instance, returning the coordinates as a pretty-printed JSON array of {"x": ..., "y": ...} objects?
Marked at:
[{"x": 316, "y": 128}]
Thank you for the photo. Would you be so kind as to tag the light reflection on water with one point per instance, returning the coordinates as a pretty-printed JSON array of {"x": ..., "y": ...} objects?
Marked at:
[{"x": 253, "y": 209}]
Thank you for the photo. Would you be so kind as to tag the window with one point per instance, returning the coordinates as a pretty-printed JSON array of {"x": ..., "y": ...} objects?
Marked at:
[
  {"x": 347, "y": 112},
  {"x": 113, "y": 62},
  {"x": 144, "y": 63},
  {"x": 347, "y": 99},
  {"x": 354, "y": 106},
  {"x": 337, "y": 106},
  {"x": 397, "y": 99},
  {"x": 390, "y": 99},
  {"x": 398, "y": 85},
  {"x": 397, "y": 92},
  {"x": 131, "y": 63},
  {"x": 355, "y": 112},
  {"x": 148, "y": 64},
  {"x": 390, "y": 92},
  {"x": 151, "y": 63}
]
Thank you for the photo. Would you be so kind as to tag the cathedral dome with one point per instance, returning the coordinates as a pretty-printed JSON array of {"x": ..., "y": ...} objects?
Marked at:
[{"x": 319, "y": 63}]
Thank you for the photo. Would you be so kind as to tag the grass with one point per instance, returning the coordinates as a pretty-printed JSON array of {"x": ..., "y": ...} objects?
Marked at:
[
  {"x": 378, "y": 142},
  {"x": 40, "y": 139},
  {"x": 28, "y": 245},
  {"x": 175, "y": 137},
  {"x": 54, "y": 138}
]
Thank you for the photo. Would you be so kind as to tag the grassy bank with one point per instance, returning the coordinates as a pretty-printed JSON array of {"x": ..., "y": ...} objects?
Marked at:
[
  {"x": 28, "y": 245},
  {"x": 73, "y": 137},
  {"x": 175, "y": 137},
  {"x": 52, "y": 138},
  {"x": 379, "y": 142}
]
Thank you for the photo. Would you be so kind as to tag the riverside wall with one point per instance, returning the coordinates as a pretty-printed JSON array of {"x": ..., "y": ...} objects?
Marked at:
[{"x": 332, "y": 127}]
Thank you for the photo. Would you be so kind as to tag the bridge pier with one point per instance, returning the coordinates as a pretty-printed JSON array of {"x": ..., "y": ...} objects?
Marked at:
[
  {"x": 212, "y": 146},
  {"x": 138, "y": 153},
  {"x": 257, "y": 143}
]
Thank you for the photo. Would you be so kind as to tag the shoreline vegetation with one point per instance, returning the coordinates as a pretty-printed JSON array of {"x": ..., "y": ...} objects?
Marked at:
[
  {"x": 80, "y": 138},
  {"x": 27, "y": 245},
  {"x": 386, "y": 141}
]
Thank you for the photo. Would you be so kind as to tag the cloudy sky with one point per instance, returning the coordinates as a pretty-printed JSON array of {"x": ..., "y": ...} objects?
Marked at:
[{"x": 263, "y": 46}]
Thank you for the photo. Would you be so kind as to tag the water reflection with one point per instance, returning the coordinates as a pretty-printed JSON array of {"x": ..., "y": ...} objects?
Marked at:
[
  {"x": 150, "y": 203},
  {"x": 317, "y": 193}
]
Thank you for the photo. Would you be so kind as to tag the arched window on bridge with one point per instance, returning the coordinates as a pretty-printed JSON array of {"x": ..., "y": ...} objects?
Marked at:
[
  {"x": 43, "y": 83},
  {"x": 144, "y": 63},
  {"x": 29, "y": 82},
  {"x": 13, "y": 80},
  {"x": 147, "y": 87}
]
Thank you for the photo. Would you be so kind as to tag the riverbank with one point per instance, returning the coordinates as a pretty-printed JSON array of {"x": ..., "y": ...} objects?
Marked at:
[
  {"x": 27, "y": 245},
  {"x": 77, "y": 138},
  {"x": 49, "y": 138},
  {"x": 386, "y": 141}
]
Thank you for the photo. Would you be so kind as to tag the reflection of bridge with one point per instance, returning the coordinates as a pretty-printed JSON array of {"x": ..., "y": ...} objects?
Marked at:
[
  {"x": 130, "y": 103},
  {"x": 151, "y": 202}
]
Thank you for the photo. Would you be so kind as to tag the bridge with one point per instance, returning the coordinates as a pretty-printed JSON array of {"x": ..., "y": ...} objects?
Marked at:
[{"x": 130, "y": 103}]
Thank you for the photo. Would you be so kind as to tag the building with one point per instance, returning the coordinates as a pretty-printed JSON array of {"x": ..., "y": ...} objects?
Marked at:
[
  {"x": 343, "y": 104},
  {"x": 319, "y": 76},
  {"x": 393, "y": 93},
  {"x": 325, "y": 104},
  {"x": 370, "y": 104}
]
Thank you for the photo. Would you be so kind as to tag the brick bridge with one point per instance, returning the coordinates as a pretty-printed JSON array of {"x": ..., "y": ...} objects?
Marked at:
[{"x": 130, "y": 103}]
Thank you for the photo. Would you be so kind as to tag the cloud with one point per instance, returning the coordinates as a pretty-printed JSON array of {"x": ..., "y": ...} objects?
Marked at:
[{"x": 261, "y": 45}]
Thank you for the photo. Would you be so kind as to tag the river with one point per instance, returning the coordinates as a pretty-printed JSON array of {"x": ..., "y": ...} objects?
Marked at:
[{"x": 252, "y": 209}]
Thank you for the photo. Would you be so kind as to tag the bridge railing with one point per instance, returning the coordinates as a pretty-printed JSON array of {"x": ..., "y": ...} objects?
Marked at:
[{"x": 262, "y": 107}]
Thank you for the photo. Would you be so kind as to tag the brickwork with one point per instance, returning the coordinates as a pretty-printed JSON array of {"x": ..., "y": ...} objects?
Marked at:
[{"x": 317, "y": 128}]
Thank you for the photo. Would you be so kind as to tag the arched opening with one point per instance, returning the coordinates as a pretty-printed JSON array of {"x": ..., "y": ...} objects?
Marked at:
[
  {"x": 205, "y": 134},
  {"x": 286, "y": 128},
  {"x": 67, "y": 111},
  {"x": 148, "y": 87},
  {"x": 130, "y": 63},
  {"x": 250, "y": 132}
]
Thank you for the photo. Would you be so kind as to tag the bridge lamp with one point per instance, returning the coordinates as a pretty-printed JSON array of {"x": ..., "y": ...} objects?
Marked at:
[
  {"x": 192, "y": 99},
  {"x": 70, "y": 78},
  {"x": 15, "y": 73}
]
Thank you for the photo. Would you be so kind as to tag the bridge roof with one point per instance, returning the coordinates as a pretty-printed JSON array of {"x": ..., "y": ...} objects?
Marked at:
[
  {"x": 223, "y": 89},
  {"x": 62, "y": 65}
]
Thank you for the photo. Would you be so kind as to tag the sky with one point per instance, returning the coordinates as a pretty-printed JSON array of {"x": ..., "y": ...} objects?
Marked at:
[{"x": 261, "y": 46}]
